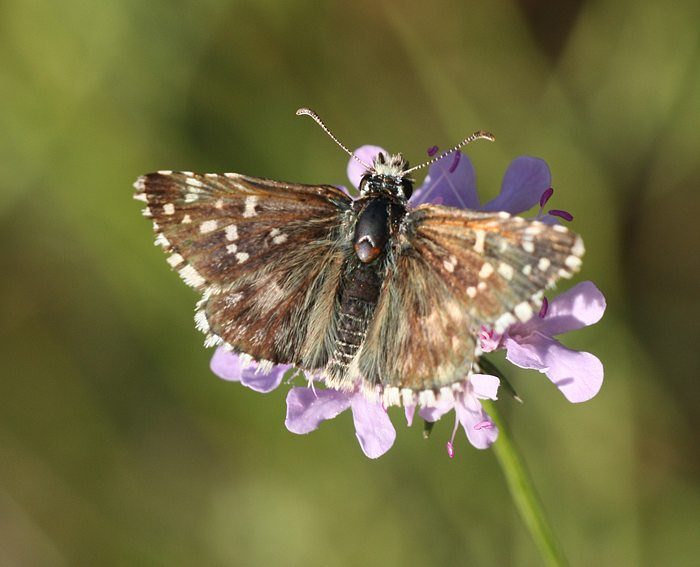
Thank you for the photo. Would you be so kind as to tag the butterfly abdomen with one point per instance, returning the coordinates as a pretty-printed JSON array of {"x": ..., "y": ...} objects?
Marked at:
[{"x": 358, "y": 298}]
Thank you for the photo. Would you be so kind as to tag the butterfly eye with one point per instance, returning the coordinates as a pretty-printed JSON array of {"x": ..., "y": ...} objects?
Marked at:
[
  {"x": 363, "y": 183},
  {"x": 380, "y": 158},
  {"x": 407, "y": 187}
]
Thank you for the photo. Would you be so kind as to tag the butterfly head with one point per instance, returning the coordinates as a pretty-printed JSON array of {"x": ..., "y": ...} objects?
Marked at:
[{"x": 387, "y": 176}]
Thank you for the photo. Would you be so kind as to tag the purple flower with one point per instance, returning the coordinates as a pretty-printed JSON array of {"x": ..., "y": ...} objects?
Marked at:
[
  {"x": 308, "y": 407},
  {"x": 477, "y": 424},
  {"x": 451, "y": 181},
  {"x": 578, "y": 375},
  {"x": 234, "y": 367}
]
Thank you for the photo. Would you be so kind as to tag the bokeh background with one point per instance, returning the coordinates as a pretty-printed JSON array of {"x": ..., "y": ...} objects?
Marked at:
[{"x": 119, "y": 447}]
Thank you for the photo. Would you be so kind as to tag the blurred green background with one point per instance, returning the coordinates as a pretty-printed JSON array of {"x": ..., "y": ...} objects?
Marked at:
[{"x": 119, "y": 447}]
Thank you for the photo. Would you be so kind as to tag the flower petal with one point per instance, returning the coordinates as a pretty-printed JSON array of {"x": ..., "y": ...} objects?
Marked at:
[
  {"x": 477, "y": 424},
  {"x": 582, "y": 305},
  {"x": 410, "y": 411},
  {"x": 263, "y": 382},
  {"x": 523, "y": 184},
  {"x": 449, "y": 185},
  {"x": 578, "y": 375},
  {"x": 231, "y": 366},
  {"x": 485, "y": 386},
  {"x": 226, "y": 364},
  {"x": 528, "y": 354},
  {"x": 373, "y": 428},
  {"x": 306, "y": 408},
  {"x": 366, "y": 153},
  {"x": 434, "y": 413}
]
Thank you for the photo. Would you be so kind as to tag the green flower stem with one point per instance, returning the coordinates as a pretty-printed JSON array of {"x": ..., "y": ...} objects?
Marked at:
[{"x": 523, "y": 493}]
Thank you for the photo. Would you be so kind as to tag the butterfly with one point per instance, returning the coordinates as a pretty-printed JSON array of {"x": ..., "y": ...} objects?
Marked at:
[{"x": 366, "y": 292}]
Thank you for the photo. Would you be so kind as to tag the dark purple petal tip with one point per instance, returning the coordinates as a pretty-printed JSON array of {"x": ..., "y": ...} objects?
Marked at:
[
  {"x": 546, "y": 196},
  {"x": 544, "y": 308},
  {"x": 455, "y": 163},
  {"x": 432, "y": 150},
  {"x": 567, "y": 216}
]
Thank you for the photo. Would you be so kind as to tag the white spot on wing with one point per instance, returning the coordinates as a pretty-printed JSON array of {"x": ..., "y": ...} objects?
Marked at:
[
  {"x": 208, "y": 226},
  {"x": 543, "y": 264},
  {"x": 191, "y": 276},
  {"x": 506, "y": 270},
  {"x": 278, "y": 237},
  {"x": 250, "y": 202},
  {"x": 231, "y": 248},
  {"x": 200, "y": 321},
  {"x": 426, "y": 398},
  {"x": 485, "y": 271},
  {"x": 161, "y": 240},
  {"x": 573, "y": 262},
  {"x": 231, "y": 232},
  {"x": 175, "y": 259},
  {"x": 408, "y": 397},
  {"x": 186, "y": 219},
  {"x": 503, "y": 322},
  {"x": 169, "y": 209},
  {"x": 242, "y": 257},
  {"x": 471, "y": 291},
  {"x": 528, "y": 246},
  {"x": 523, "y": 311}
]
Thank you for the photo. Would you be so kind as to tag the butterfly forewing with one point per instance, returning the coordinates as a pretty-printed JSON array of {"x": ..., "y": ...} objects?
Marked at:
[
  {"x": 263, "y": 253},
  {"x": 499, "y": 263},
  {"x": 452, "y": 271}
]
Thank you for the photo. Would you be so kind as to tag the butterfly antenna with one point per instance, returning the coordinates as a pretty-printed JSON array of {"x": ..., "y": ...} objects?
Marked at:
[
  {"x": 317, "y": 119},
  {"x": 475, "y": 136}
]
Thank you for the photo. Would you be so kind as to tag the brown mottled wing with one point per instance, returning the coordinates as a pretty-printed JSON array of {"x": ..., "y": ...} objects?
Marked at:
[
  {"x": 452, "y": 271},
  {"x": 266, "y": 256}
]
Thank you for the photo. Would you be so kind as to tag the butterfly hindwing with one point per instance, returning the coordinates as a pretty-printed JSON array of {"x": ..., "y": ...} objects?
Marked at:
[{"x": 263, "y": 253}]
